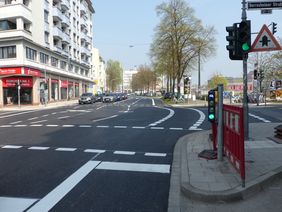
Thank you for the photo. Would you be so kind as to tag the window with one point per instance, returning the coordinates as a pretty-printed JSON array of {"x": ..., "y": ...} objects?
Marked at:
[
  {"x": 54, "y": 61},
  {"x": 46, "y": 14},
  {"x": 46, "y": 37},
  {"x": 63, "y": 65},
  {"x": 30, "y": 53},
  {"x": 7, "y": 52},
  {"x": 7, "y": 25},
  {"x": 44, "y": 58}
]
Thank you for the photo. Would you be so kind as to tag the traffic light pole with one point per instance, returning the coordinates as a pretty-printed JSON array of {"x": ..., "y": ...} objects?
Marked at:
[{"x": 245, "y": 80}]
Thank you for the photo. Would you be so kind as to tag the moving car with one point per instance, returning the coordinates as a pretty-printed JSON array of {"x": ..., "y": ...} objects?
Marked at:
[{"x": 87, "y": 98}]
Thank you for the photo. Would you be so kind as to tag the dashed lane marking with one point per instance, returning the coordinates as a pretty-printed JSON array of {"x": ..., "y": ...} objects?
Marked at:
[
  {"x": 34, "y": 124},
  {"x": 33, "y": 118},
  {"x": 95, "y": 151},
  {"x": 200, "y": 120},
  {"x": 16, "y": 122},
  {"x": 63, "y": 117},
  {"x": 124, "y": 153}
]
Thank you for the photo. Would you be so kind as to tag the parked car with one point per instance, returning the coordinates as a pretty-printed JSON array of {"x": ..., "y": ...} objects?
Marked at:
[
  {"x": 109, "y": 97},
  {"x": 99, "y": 97},
  {"x": 87, "y": 98}
]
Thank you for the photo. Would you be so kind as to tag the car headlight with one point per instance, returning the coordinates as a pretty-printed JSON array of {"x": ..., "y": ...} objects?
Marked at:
[{"x": 88, "y": 99}]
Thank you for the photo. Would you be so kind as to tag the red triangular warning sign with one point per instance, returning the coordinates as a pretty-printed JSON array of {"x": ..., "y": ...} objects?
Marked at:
[{"x": 265, "y": 41}]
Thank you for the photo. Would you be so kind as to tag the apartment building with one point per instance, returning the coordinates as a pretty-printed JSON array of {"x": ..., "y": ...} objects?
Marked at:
[
  {"x": 99, "y": 72},
  {"x": 45, "y": 47}
]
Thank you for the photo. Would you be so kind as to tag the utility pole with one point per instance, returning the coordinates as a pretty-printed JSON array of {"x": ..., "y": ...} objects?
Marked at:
[{"x": 245, "y": 81}]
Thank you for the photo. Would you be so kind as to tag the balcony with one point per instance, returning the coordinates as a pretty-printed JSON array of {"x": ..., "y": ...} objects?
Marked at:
[
  {"x": 65, "y": 20},
  {"x": 83, "y": 9},
  {"x": 15, "y": 10},
  {"x": 65, "y": 4},
  {"x": 57, "y": 33},
  {"x": 8, "y": 34},
  {"x": 84, "y": 51},
  {"x": 66, "y": 38},
  {"x": 57, "y": 14},
  {"x": 46, "y": 27},
  {"x": 58, "y": 49},
  {"x": 46, "y": 5},
  {"x": 83, "y": 36}
]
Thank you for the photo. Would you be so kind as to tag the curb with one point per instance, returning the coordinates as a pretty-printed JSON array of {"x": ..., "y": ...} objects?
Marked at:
[{"x": 237, "y": 193}]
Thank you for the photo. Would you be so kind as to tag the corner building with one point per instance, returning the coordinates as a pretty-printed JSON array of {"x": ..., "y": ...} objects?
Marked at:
[{"x": 45, "y": 46}]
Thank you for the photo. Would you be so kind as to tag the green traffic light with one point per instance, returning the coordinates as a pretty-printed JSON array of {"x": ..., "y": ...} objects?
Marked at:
[
  {"x": 211, "y": 116},
  {"x": 245, "y": 47}
]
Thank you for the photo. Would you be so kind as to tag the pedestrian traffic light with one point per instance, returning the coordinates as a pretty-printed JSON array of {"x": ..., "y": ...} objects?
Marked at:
[
  {"x": 245, "y": 36},
  {"x": 233, "y": 45},
  {"x": 255, "y": 74},
  {"x": 274, "y": 28},
  {"x": 211, "y": 105}
]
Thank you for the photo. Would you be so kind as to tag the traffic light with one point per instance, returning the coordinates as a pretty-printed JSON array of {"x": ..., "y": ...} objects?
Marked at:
[
  {"x": 244, "y": 35},
  {"x": 211, "y": 106},
  {"x": 261, "y": 74},
  {"x": 255, "y": 74},
  {"x": 233, "y": 47},
  {"x": 274, "y": 28}
]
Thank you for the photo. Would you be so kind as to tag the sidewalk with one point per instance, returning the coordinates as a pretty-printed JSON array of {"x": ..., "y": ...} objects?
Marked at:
[
  {"x": 196, "y": 183},
  {"x": 39, "y": 107}
]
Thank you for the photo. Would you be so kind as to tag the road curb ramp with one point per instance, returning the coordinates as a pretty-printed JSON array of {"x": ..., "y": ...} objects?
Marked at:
[{"x": 234, "y": 194}]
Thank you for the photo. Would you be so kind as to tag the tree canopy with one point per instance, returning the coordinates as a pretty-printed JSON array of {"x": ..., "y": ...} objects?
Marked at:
[
  {"x": 217, "y": 79},
  {"x": 113, "y": 74}
]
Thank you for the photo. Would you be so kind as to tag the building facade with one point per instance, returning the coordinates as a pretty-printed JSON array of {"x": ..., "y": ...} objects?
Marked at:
[
  {"x": 45, "y": 47},
  {"x": 127, "y": 79},
  {"x": 99, "y": 72}
]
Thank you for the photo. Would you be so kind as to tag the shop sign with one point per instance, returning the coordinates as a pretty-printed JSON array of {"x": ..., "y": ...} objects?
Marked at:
[
  {"x": 10, "y": 71},
  {"x": 11, "y": 82},
  {"x": 54, "y": 81},
  {"x": 64, "y": 83},
  {"x": 32, "y": 72}
]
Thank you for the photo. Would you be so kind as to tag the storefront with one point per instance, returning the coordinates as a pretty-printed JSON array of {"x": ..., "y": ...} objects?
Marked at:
[
  {"x": 64, "y": 89},
  {"x": 54, "y": 90},
  {"x": 76, "y": 88},
  {"x": 11, "y": 91},
  {"x": 70, "y": 90}
]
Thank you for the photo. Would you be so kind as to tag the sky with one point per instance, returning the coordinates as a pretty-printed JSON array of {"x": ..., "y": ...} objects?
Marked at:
[{"x": 124, "y": 30}]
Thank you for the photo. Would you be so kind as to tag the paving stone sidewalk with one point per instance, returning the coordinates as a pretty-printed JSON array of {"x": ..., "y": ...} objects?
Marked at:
[{"x": 199, "y": 181}]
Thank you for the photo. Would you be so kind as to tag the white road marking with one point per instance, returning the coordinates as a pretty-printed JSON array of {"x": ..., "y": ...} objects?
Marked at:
[
  {"x": 94, "y": 150},
  {"x": 259, "y": 118},
  {"x": 16, "y": 122},
  {"x": 66, "y": 149},
  {"x": 100, "y": 107},
  {"x": 35, "y": 122},
  {"x": 85, "y": 126},
  {"x": 33, "y": 118},
  {"x": 51, "y": 199},
  {"x": 51, "y": 125},
  {"x": 38, "y": 148},
  {"x": 20, "y": 125},
  {"x": 155, "y": 154},
  {"x": 102, "y": 126},
  {"x": 63, "y": 117},
  {"x": 83, "y": 111},
  {"x": 137, "y": 167},
  {"x": 200, "y": 120},
  {"x": 110, "y": 117},
  {"x": 45, "y": 115},
  {"x": 124, "y": 153},
  {"x": 16, "y": 114},
  {"x": 36, "y": 125},
  {"x": 175, "y": 128},
  {"x": 15, "y": 204},
  {"x": 136, "y": 127},
  {"x": 153, "y": 102},
  {"x": 120, "y": 127},
  {"x": 68, "y": 125},
  {"x": 54, "y": 113},
  {"x": 157, "y": 128},
  {"x": 11, "y": 147},
  {"x": 6, "y": 125},
  {"x": 171, "y": 113}
]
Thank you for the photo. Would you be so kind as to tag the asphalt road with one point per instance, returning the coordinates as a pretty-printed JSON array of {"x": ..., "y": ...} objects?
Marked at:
[{"x": 100, "y": 157}]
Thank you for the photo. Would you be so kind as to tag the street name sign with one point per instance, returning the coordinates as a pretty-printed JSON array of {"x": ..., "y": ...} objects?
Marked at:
[
  {"x": 265, "y": 41},
  {"x": 258, "y": 5}
]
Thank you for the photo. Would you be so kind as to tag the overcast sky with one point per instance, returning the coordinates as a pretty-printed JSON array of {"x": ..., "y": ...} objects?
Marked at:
[{"x": 124, "y": 30}]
